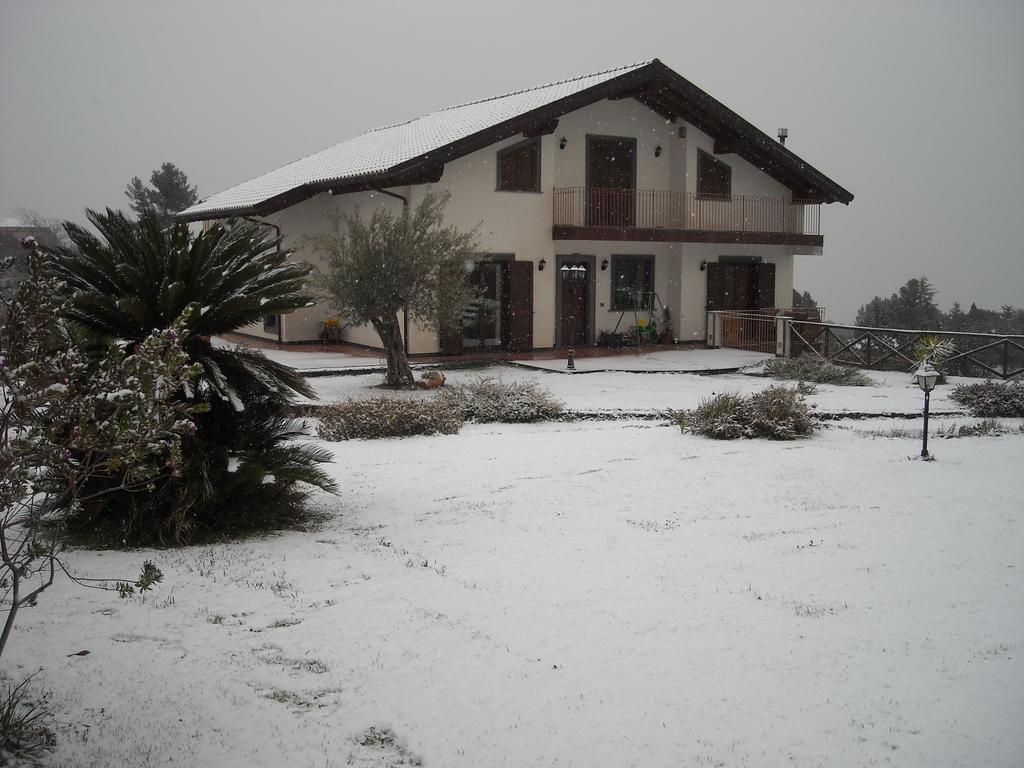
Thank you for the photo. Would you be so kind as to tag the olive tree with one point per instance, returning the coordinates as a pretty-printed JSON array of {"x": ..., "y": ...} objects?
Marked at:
[{"x": 387, "y": 263}]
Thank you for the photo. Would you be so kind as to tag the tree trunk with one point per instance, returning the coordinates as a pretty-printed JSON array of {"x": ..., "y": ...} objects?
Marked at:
[{"x": 399, "y": 374}]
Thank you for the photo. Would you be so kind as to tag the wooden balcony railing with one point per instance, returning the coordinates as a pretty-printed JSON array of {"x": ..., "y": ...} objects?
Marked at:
[{"x": 654, "y": 209}]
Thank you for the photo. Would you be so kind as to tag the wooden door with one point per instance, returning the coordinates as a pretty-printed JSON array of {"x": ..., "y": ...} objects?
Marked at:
[
  {"x": 520, "y": 306},
  {"x": 765, "y": 285},
  {"x": 716, "y": 288},
  {"x": 574, "y": 295},
  {"x": 611, "y": 181}
]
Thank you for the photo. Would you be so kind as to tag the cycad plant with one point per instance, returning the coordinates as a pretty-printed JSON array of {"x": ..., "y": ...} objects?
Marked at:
[{"x": 241, "y": 468}]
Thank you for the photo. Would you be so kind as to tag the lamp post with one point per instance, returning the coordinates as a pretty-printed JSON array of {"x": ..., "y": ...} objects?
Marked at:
[
  {"x": 926, "y": 377},
  {"x": 576, "y": 276}
]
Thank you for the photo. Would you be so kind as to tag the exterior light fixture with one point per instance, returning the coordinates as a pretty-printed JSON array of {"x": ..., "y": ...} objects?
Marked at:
[
  {"x": 926, "y": 377},
  {"x": 562, "y": 142},
  {"x": 657, "y": 151},
  {"x": 604, "y": 264},
  {"x": 541, "y": 264},
  {"x": 703, "y": 264}
]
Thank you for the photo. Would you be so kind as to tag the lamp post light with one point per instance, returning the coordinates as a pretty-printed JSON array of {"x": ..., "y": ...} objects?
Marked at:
[
  {"x": 576, "y": 276},
  {"x": 926, "y": 378}
]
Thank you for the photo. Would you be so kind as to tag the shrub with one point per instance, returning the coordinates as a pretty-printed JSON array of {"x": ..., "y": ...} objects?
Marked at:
[
  {"x": 991, "y": 398},
  {"x": 137, "y": 275},
  {"x": 388, "y": 417},
  {"x": 723, "y": 417},
  {"x": 24, "y": 726},
  {"x": 488, "y": 400},
  {"x": 816, "y": 370},
  {"x": 777, "y": 413}
]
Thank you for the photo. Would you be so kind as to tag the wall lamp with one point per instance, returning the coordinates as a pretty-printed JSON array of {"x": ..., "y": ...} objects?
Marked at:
[
  {"x": 562, "y": 142},
  {"x": 703, "y": 264},
  {"x": 657, "y": 151},
  {"x": 541, "y": 264},
  {"x": 604, "y": 264}
]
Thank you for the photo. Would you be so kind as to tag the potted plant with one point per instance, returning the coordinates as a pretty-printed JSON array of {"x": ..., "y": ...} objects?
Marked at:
[{"x": 332, "y": 329}]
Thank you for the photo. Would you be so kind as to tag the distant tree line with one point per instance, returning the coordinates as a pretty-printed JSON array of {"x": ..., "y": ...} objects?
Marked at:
[{"x": 914, "y": 307}]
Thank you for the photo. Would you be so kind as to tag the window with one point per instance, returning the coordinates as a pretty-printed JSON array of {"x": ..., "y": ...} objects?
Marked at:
[
  {"x": 519, "y": 167},
  {"x": 270, "y": 323},
  {"x": 632, "y": 282},
  {"x": 713, "y": 176}
]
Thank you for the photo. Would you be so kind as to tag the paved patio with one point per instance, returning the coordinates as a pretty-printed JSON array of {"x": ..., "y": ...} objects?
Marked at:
[{"x": 590, "y": 359}]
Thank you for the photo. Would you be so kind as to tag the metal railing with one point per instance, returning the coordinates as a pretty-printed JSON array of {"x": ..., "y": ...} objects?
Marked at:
[{"x": 655, "y": 209}]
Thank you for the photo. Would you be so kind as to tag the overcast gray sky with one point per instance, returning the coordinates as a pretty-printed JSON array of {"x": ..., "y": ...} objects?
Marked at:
[{"x": 916, "y": 107}]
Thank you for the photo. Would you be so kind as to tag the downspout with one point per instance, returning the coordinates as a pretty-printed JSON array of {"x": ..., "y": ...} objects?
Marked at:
[
  {"x": 405, "y": 312},
  {"x": 280, "y": 318}
]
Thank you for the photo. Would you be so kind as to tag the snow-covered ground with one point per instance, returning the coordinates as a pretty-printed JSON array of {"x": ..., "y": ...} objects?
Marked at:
[
  {"x": 577, "y": 594},
  {"x": 623, "y": 391}
]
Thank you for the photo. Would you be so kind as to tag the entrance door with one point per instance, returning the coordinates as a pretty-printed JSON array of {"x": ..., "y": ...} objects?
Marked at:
[
  {"x": 520, "y": 306},
  {"x": 611, "y": 181},
  {"x": 743, "y": 287},
  {"x": 483, "y": 320},
  {"x": 574, "y": 303}
]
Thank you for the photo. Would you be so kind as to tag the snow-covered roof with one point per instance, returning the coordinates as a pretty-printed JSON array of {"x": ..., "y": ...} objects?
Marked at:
[
  {"x": 385, "y": 148},
  {"x": 414, "y": 151}
]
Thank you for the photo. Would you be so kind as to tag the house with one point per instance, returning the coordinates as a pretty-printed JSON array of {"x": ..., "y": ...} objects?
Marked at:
[{"x": 661, "y": 194}]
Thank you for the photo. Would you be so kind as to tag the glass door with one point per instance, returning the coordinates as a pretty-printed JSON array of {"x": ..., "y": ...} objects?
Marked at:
[{"x": 482, "y": 317}]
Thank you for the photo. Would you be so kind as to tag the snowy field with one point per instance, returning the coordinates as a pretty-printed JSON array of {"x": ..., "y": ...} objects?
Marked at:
[{"x": 586, "y": 594}]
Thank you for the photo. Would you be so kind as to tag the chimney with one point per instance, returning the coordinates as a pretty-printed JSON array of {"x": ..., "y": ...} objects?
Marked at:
[{"x": 783, "y": 135}]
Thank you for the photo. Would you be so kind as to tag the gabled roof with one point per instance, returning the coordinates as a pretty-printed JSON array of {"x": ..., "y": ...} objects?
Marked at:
[{"x": 415, "y": 152}]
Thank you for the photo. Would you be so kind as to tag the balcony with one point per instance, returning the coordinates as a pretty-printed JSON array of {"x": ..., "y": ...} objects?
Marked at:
[{"x": 589, "y": 213}]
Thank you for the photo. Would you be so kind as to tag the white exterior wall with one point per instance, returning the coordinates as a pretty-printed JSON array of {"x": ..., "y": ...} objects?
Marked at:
[{"x": 519, "y": 223}]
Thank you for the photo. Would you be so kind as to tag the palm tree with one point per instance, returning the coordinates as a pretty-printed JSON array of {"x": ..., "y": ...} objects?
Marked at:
[{"x": 135, "y": 276}]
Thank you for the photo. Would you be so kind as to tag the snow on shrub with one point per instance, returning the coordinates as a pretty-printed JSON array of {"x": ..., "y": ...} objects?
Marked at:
[
  {"x": 777, "y": 413},
  {"x": 488, "y": 400},
  {"x": 816, "y": 370},
  {"x": 388, "y": 417},
  {"x": 991, "y": 398}
]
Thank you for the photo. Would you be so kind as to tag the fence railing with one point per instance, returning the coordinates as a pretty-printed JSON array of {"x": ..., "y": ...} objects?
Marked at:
[
  {"x": 893, "y": 349},
  {"x": 795, "y": 332},
  {"x": 656, "y": 209}
]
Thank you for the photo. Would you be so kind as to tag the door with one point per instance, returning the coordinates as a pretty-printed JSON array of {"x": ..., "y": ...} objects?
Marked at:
[
  {"x": 520, "y": 306},
  {"x": 743, "y": 287},
  {"x": 611, "y": 181},
  {"x": 484, "y": 318},
  {"x": 574, "y": 301}
]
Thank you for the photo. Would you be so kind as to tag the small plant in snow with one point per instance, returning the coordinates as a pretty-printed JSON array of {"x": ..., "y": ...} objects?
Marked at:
[
  {"x": 490, "y": 400},
  {"x": 388, "y": 417},
  {"x": 808, "y": 368},
  {"x": 24, "y": 730},
  {"x": 991, "y": 398},
  {"x": 777, "y": 413}
]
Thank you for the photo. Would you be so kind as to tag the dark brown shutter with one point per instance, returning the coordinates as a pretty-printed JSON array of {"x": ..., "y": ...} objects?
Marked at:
[
  {"x": 520, "y": 316},
  {"x": 765, "y": 285},
  {"x": 716, "y": 287}
]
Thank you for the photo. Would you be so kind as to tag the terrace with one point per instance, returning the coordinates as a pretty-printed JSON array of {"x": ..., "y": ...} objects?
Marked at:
[{"x": 648, "y": 215}]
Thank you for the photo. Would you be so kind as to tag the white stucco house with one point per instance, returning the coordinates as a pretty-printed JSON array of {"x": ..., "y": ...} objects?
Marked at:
[{"x": 664, "y": 195}]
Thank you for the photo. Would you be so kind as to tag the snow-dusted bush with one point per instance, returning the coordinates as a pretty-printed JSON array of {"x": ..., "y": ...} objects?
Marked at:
[
  {"x": 777, "y": 413},
  {"x": 490, "y": 400},
  {"x": 991, "y": 398},
  {"x": 25, "y": 733},
  {"x": 816, "y": 370},
  {"x": 245, "y": 467},
  {"x": 388, "y": 417}
]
